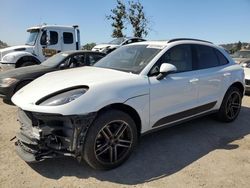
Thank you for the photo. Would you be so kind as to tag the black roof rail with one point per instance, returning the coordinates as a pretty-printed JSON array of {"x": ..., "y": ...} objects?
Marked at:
[{"x": 178, "y": 39}]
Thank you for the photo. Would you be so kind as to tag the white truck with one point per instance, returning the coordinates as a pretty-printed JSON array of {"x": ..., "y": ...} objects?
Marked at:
[{"x": 43, "y": 42}]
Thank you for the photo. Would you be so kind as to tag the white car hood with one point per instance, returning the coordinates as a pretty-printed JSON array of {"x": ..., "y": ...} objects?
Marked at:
[
  {"x": 105, "y": 85},
  {"x": 247, "y": 73},
  {"x": 7, "y": 50}
]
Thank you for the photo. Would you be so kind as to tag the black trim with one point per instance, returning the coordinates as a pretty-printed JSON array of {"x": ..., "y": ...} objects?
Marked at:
[
  {"x": 20, "y": 49},
  {"x": 178, "y": 39},
  {"x": 184, "y": 114}
]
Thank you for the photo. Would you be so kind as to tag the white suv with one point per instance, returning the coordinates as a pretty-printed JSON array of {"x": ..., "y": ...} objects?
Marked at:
[{"x": 98, "y": 113}]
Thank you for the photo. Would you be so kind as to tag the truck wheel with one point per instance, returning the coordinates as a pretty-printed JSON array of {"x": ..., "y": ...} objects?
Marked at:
[
  {"x": 27, "y": 63},
  {"x": 110, "y": 140},
  {"x": 231, "y": 105}
]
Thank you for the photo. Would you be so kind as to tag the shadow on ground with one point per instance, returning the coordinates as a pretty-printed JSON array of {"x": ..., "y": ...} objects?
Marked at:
[{"x": 159, "y": 154}]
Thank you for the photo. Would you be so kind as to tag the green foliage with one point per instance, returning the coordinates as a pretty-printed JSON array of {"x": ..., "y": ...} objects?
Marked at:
[
  {"x": 118, "y": 17},
  {"x": 137, "y": 19},
  {"x": 88, "y": 46},
  {"x": 133, "y": 15}
]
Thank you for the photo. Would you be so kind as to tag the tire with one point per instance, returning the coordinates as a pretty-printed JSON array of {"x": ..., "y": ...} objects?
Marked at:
[
  {"x": 27, "y": 63},
  {"x": 231, "y": 105},
  {"x": 110, "y": 140}
]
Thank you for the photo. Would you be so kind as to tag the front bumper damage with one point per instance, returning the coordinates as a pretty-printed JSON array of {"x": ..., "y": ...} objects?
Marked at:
[{"x": 44, "y": 136}]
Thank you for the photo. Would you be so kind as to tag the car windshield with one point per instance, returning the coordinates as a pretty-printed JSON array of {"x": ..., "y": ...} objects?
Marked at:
[
  {"x": 117, "y": 41},
  {"x": 241, "y": 54},
  {"x": 55, "y": 60},
  {"x": 32, "y": 37},
  {"x": 132, "y": 58}
]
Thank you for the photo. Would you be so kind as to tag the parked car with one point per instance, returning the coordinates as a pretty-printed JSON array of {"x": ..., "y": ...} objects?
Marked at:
[
  {"x": 241, "y": 56},
  {"x": 246, "y": 65},
  {"x": 116, "y": 43},
  {"x": 98, "y": 113},
  {"x": 12, "y": 80}
]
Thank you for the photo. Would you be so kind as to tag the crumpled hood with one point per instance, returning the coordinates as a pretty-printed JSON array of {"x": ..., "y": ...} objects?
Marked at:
[
  {"x": 7, "y": 50},
  {"x": 104, "y": 85},
  {"x": 247, "y": 73}
]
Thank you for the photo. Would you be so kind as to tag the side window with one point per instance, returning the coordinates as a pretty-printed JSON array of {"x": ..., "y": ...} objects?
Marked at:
[
  {"x": 77, "y": 61},
  {"x": 43, "y": 38},
  {"x": 93, "y": 58},
  {"x": 222, "y": 59},
  {"x": 53, "y": 37},
  {"x": 179, "y": 56},
  {"x": 67, "y": 38},
  {"x": 206, "y": 57}
]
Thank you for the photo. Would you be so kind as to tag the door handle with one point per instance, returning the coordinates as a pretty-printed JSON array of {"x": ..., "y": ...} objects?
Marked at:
[
  {"x": 194, "y": 80},
  {"x": 227, "y": 74}
]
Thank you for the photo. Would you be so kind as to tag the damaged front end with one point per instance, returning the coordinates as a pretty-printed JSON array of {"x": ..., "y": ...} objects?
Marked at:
[{"x": 45, "y": 136}]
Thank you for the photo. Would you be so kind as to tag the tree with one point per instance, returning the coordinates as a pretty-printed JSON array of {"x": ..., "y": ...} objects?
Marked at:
[
  {"x": 137, "y": 19},
  {"x": 239, "y": 45},
  {"x": 88, "y": 46},
  {"x": 118, "y": 18}
]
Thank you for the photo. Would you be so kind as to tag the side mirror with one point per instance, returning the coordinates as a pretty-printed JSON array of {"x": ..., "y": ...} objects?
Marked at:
[{"x": 166, "y": 69}]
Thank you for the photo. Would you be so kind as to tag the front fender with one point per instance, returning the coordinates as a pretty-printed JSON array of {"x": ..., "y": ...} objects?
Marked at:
[{"x": 16, "y": 56}]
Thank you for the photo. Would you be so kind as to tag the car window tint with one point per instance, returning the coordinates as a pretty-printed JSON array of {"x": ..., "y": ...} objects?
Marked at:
[
  {"x": 222, "y": 59},
  {"x": 77, "y": 61},
  {"x": 179, "y": 56},
  {"x": 67, "y": 38},
  {"x": 206, "y": 57},
  {"x": 93, "y": 58},
  {"x": 53, "y": 37},
  {"x": 43, "y": 38}
]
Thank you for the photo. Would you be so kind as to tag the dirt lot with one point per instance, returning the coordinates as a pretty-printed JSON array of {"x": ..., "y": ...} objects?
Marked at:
[{"x": 201, "y": 153}]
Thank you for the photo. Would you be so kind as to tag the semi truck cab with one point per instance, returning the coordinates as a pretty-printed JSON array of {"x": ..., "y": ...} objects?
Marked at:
[{"x": 43, "y": 42}]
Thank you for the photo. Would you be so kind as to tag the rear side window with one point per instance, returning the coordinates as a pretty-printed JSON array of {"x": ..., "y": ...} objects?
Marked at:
[
  {"x": 53, "y": 37},
  {"x": 67, "y": 38},
  {"x": 222, "y": 59},
  {"x": 206, "y": 57}
]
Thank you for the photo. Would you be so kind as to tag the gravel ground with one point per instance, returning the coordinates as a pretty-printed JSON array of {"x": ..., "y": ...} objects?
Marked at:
[{"x": 200, "y": 153}]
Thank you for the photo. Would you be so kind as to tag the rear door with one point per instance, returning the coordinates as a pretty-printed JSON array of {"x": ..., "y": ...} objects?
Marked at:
[{"x": 210, "y": 73}]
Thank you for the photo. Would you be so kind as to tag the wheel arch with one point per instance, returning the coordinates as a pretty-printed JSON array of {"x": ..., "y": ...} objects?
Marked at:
[
  {"x": 25, "y": 59},
  {"x": 238, "y": 85},
  {"x": 127, "y": 109},
  {"x": 27, "y": 80}
]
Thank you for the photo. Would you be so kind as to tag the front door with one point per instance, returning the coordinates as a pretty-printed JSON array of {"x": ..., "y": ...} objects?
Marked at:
[
  {"x": 174, "y": 97},
  {"x": 52, "y": 47}
]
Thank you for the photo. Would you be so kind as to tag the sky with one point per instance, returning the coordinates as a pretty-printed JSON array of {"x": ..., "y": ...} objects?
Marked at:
[{"x": 219, "y": 21}]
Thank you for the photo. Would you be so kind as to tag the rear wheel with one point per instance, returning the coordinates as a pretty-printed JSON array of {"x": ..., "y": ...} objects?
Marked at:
[
  {"x": 231, "y": 105},
  {"x": 110, "y": 140}
]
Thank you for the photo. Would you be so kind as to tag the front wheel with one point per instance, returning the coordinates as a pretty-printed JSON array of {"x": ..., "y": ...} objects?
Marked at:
[
  {"x": 231, "y": 105},
  {"x": 27, "y": 63},
  {"x": 110, "y": 140}
]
